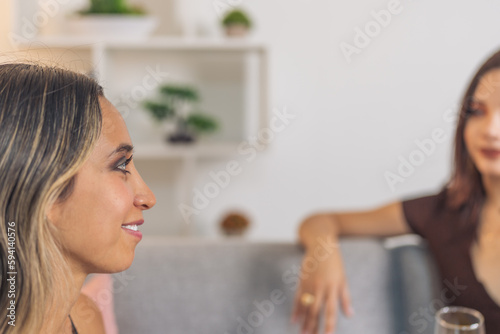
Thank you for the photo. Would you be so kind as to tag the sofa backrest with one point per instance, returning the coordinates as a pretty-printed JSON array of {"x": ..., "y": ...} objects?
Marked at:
[{"x": 235, "y": 286}]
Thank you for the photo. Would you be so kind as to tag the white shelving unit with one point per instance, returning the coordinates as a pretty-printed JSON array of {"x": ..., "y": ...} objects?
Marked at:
[
  {"x": 246, "y": 80},
  {"x": 248, "y": 59},
  {"x": 194, "y": 151},
  {"x": 230, "y": 74}
]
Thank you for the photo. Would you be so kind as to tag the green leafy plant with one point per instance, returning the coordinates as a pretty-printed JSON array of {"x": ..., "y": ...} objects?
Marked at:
[
  {"x": 202, "y": 123},
  {"x": 237, "y": 17},
  {"x": 112, "y": 7},
  {"x": 180, "y": 93},
  {"x": 159, "y": 111},
  {"x": 174, "y": 103}
]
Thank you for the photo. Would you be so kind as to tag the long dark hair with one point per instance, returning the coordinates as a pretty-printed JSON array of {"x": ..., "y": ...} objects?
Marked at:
[
  {"x": 50, "y": 121},
  {"x": 465, "y": 190}
]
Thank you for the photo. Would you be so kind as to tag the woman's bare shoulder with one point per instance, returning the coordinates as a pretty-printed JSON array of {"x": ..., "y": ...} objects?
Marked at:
[{"x": 86, "y": 316}]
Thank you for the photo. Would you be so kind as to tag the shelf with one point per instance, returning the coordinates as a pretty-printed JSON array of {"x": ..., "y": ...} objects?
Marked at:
[
  {"x": 231, "y": 75},
  {"x": 153, "y": 43},
  {"x": 169, "y": 151}
]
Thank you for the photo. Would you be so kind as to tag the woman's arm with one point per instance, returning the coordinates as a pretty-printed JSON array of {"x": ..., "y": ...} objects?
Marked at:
[
  {"x": 385, "y": 221},
  {"x": 327, "y": 282}
]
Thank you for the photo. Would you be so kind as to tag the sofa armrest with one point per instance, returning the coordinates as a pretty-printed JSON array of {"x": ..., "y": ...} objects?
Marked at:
[{"x": 416, "y": 285}]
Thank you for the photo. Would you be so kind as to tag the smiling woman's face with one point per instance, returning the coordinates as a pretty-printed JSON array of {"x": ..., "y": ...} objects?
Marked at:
[
  {"x": 482, "y": 130},
  {"x": 108, "y": 193}
]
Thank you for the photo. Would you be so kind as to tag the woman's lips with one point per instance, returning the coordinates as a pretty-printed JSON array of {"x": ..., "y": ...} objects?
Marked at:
[
  {"x": 133, "y": 228},
  {"x": 137, "y": 234},
  {"x": 490, "y": 153}
]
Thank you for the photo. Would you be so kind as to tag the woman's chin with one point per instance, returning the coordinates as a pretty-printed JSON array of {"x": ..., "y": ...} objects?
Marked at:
[
  {"x": 490, "y": 171},
  {"x": 112, "y": 270},
  {"x": 124, "y": 265},
  {"x": 116, "y": 266}
]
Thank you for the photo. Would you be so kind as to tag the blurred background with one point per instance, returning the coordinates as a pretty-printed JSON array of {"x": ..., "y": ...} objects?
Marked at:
[{"x": 313, "y": 105}]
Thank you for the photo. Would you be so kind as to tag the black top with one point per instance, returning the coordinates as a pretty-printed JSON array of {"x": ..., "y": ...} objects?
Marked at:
[
  {"x": 450, "y": 240},
  {"x": 73, "y": 328}
]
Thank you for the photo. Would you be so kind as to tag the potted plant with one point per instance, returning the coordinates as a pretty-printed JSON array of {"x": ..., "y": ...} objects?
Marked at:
[
  {"x": 112, "y": 19},
  {"x": 236, "y": 23},
  {"x": 176, "y": 102},
  {"x": 112, "y": 7},
  {"x": 234, "y": 224}
]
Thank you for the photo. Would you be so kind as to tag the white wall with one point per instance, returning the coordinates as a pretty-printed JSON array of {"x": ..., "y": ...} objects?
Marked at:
[
  {"x": 353, "y": 120},
  {"x": 5, "y": 9}
]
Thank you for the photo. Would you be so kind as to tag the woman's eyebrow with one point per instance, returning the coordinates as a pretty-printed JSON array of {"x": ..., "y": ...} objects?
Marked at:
[
  {"x": 476, "y": 101},
  {"x": 122, "y": 148}
]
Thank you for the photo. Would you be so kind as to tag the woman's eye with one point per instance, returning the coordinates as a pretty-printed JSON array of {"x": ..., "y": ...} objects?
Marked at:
[
  {"x": 123, "y": 165},
  {"x": 473, "y": 112}
]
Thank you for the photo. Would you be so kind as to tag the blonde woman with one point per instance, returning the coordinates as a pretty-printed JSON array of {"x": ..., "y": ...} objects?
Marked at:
[
  {"x": 461, "y": 223},
  {"x": 71, "y": 199}
]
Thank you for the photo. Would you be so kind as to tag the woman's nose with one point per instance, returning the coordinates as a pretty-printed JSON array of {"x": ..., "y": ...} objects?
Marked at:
[
  {"x": 492, "y": 126},
  {"x": 144, "y": 197}
]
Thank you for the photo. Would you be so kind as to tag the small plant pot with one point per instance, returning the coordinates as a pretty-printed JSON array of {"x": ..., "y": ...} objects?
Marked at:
[
  {"x": 234, "y": 224},
  {"x": 182, "y": 135},
  {"x": 234, "y": 232},
  {"x": 112, "y": 26},
  {"x": 236, "y": 30},
  {"x": 180, "y": 138}
]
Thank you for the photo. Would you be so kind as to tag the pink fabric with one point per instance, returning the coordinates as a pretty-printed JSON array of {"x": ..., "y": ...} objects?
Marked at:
[{"x": 100, "y": 289}]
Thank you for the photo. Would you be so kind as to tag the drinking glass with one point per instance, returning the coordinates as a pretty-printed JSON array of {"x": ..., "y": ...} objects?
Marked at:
[{"x": 459, "y": 320}]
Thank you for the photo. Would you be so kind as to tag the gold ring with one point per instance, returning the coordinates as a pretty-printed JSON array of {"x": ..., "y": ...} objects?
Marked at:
[{"x": 307, "y": 299}]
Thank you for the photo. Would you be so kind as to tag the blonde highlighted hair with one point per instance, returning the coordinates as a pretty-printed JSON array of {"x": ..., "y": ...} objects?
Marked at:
[{"x": 50, "y": 121}]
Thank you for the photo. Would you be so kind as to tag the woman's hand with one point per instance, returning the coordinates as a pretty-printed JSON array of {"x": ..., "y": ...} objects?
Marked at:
[{"x": 322, "y": 276}]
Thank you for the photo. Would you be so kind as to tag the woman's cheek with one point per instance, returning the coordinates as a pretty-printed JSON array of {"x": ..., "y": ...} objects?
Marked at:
[
  {"x": 123, "y": 198},
  {"x": 468, "y": 136}
]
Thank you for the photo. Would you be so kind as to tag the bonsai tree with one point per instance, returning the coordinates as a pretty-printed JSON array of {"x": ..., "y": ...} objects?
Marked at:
[
  {"x": 176, "y": 102},
  {"x": 236, "y": 22},
  {"x": 112, "y": 7}
]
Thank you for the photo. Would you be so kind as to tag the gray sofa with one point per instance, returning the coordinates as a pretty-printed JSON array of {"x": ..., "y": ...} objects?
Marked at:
[{"x": 234, "y": 286}]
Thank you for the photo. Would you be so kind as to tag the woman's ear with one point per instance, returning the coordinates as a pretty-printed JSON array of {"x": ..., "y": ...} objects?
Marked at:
[{"x": 53, "y": 213}]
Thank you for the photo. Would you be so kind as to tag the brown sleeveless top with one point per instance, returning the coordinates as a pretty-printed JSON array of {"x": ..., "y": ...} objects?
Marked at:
[{"x": 450, "y": 239}]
